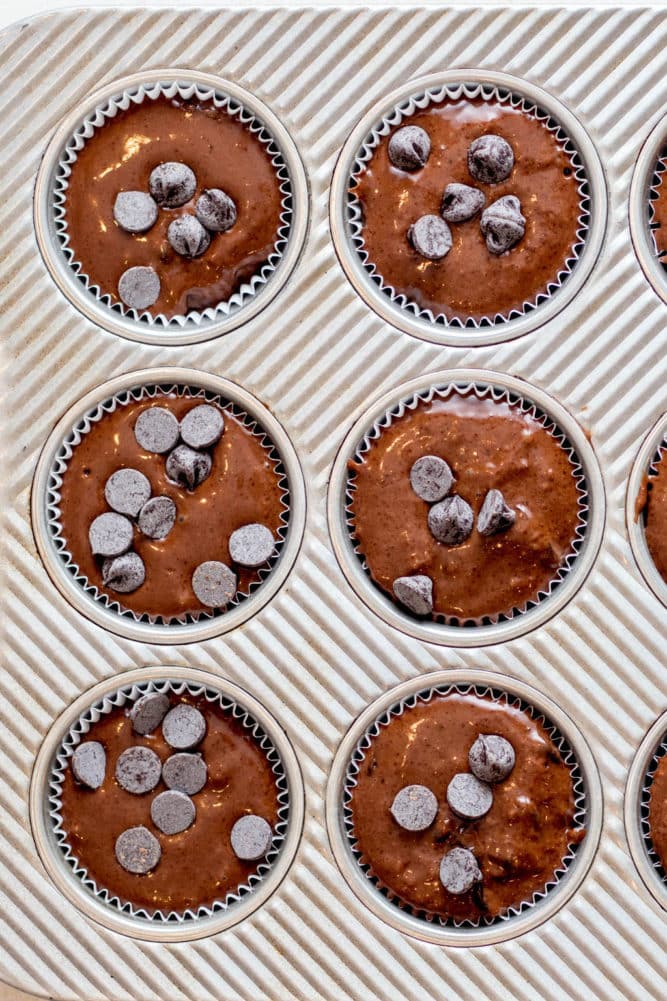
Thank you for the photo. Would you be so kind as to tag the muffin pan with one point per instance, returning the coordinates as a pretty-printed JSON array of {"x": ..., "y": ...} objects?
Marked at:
[
  {"x": 651, "y": 448},
  {"x": 317, "y": 357}
]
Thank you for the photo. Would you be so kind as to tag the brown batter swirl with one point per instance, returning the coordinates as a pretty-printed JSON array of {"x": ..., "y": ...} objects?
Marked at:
[
  {"x": 655, "y": 513},
  {"x": 197, "y": 866},
  {"x": 488, "y": 445},
  {"x": 470, "y": 282},
  {"x": 243, "y": 488},
  {"x": 520, "y": 842},
  {"x": 223, "y": 154},
  {"x": 658, "y": 811}
]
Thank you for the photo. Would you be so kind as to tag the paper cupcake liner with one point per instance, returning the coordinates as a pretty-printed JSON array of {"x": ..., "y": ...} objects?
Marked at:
[
  {"x": 408, "y": 108},
  {"x": 653, "y": 194},
  {"x": 497, "y": 394},
  {"x": 644, "y": 809},
  {"x": 121, "y": 102},
  {"x": 75, "y": 437},
  {"x": 567, "y": 755},
  {"x": 127, "y": 695}
]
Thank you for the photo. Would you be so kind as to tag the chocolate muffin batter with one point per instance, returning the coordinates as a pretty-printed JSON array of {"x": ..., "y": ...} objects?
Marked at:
[
  {"x": 655, "y": 513},
  {"x": 243, "y": 488},
  {"x": 488, "y": 445},
  {"x": 222, "y": 152},
  {"x": 658, "y": 811},
  {"x": 198, "y": 866},
  {"x": 470, "y": 282},
  {"x": 520, "y": 842}
]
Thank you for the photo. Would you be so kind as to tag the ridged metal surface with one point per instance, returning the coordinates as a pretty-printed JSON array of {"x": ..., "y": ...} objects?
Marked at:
[{"x": 316, "y": 357}]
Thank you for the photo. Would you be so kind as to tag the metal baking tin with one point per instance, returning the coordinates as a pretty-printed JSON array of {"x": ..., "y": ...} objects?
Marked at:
[
  {"x": 635, "y": 521},
  {"x": 633, "y": 792},
  {"x": 642, "y": 180}
]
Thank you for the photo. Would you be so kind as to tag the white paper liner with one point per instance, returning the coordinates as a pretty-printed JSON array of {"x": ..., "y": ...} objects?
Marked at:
[
  {"x": 658, "y": 457},
  {"x": 418, "y": 103},
  {"x": 653, "y": 194},
  {"x": 498, "y": 394},
  {"x": 567, "y": 755},
  {"x": 74, "y": 438},
  {"x": 644, "y": 808},
  {"x": 125, "y": 696},
  {"x": 135, "y": 95}
]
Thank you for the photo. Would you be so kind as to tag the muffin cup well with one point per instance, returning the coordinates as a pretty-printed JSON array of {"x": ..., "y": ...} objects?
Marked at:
[
  {"x": 637, "y": 797},
  {"x": 647, "y": 178},
  {"x": 653, "y": 449}
]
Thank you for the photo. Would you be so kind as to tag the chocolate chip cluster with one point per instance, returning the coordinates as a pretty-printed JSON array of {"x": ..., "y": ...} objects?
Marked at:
[
  {"x": 490, "y": 161},
  {"x": 450, "y": 521},
  {"x": 469, "y": 796},
  {"x": 171, "y": 185}
]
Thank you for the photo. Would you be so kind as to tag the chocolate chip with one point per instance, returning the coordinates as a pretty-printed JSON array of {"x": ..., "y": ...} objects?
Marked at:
[
  {"x": 202, "y": 426},
  {"x": 138, "y": 770},
  {"x": 460, "y": 202},
  {"x": 409, "y": 148},
  {"x": 468, "y": 797},
  {"x": 135, "y": 211},
  {"x": 459, "y": 871},
  {"x": 214, "y": 584},
  {"x": 491, "y": 758},
  {"x": 431, "y": 478},
  {"x": 251, "y": 545},
  {"x": 495, "y": 515},
  {"x": 183, "y": 727},
  {"x": 414, "y": 808},
  {"x": 415, "y": 593},
  {"x": 490, "y": 159},
  {"x": 188, "y": 468},
  {"x": 156, "y": 430},
  {"x": 172, "y": 184},
  {"x": 124, "y": 573},
  {"x": 126, "y": 491},
  {"x": 172, "y": 812},
  {"x": 137, "y": 850},
  {"x": 251, "y": 837},
  {"x": 89, "y": 764},
  {"x": 148, "y": 712},
  {"x": 110, "y": 534},
  {"x": 139, "y": 287},
  {"x": 187, "y": 236},
  {"x": 451, "y": 520},
  {"x": 502, "y": 224},
  {"x": 157, "y": 517},
  {"x": 431, "y": 237},
  {"x": 215, "y": 210},
  {"x": 185, "y": 772}
]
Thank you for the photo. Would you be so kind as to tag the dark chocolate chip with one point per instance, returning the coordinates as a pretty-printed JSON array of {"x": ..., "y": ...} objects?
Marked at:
[
  {"x": 157, "y": 517},
  {"x": 185, "y": 772},
  {"x": 251, "y": 837},
  {"x": 431, "y": 478},
  {"x": 138, "y": 770},
  {"x": 148, "y": 712},
  {"x": 431, "y": 237},
  {"x": 187, "y": 236},
  {"x": 135, "y": 211},
  {"x": 491, "y": 758},
  {"x": 172, "y": 184},
  {"x": 459, "y": 871},
  {"x": 490, "y": 159},
  {"x": 110, "y": 534},
  {"x": 214, "y": 584},
  {"x": 251, "y": 545},
  {"x": 495, "y": 515},
  {"x": 202, "y": 426},
  {"x": 409, "y": 148},
  {"x": 173, "y": 812},
  {"x": 183, "y": 727},
  {"x": 502, "y": 224},
  {"x": 89, "y": 764},
  {"x": 139, "y": 287},
  {"x": 124, "y": 573},
  {"x": 137, "y": 850},
  {"x": 188, "y": 468},
  {"x": 415, "y": 593},
  {"x": 468, "y": 797},
  {"x": 451, "y": 520},
  {"x": 156, "y": 430},
  {"x": 126, "y": 491},
  {"x": 460, "y": 202},
  {"x": 414, "y": 808},
  {"x": 215, "y": 210}
]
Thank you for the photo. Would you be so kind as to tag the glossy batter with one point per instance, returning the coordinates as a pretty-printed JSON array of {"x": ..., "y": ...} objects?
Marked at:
[
  {"x": 658, "y": 811},
  {"x": 656, "y": 517}
]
